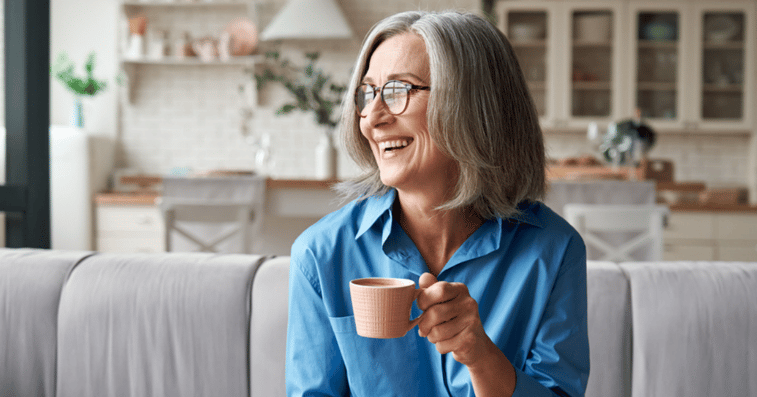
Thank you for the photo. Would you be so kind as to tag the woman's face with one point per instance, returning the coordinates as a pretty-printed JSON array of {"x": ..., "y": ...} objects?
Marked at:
[{"x": 401, "y": 144}]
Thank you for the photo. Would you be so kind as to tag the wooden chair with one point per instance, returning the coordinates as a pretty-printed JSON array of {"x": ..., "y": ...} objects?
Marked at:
[{"x": 619, "y": 232}]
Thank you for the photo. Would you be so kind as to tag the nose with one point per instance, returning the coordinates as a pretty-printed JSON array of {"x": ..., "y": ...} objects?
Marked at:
[{"x": 377, "y": 113}]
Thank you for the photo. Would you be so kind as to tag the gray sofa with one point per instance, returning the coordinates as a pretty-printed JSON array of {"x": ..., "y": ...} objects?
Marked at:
[{"x": 91, "y": 324}]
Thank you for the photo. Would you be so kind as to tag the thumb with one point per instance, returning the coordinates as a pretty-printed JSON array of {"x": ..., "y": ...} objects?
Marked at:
[{"x": 426, "y": 280}]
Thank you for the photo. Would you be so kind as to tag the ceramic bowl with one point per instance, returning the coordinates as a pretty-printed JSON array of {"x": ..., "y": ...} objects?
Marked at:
[{"x": 526, "y": 31}]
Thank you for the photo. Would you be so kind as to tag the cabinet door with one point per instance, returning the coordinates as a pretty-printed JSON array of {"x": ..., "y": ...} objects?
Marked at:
[
  {"x": 593, "y": 64},
  {"x": 658, "y": 81},
  {"x": 530, "y": 28},
  {"x": 724, "y": 49}
]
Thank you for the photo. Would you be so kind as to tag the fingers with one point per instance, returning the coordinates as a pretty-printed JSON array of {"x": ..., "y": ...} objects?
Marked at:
[
  {"x": 426, "y": 280},
  {"x": 438, "y": 292}
]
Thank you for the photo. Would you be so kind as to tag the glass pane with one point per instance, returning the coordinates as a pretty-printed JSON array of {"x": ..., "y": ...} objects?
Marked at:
[
  {"x": 657, "y": 76},
  {"x": 527, "y": 32},
  {"x": 722, "y": 65},
  {"x": 592, "y": 63}
]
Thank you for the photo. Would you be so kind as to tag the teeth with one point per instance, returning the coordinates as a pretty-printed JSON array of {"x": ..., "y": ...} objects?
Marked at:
[{"x": 395, "y": 144}]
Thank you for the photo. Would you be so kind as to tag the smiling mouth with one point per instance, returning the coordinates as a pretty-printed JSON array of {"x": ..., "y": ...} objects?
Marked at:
[{"x": 396, "y": 144}]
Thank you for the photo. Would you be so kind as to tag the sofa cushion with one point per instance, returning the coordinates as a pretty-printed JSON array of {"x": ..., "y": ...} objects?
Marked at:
[
  {"x": 695, "y": 328},
  {"x": 270, "y": 293},
  {"x": 156, "y": 325},
  {"x": 609, "y": 317},
  {"x": 30, "y": 288}
]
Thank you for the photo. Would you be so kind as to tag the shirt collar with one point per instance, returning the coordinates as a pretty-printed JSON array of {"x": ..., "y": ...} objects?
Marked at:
[{"x": 377, "y": 206}]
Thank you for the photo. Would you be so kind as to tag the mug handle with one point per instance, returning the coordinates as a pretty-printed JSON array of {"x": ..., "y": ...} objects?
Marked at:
[{"x": 417, "y": 320}]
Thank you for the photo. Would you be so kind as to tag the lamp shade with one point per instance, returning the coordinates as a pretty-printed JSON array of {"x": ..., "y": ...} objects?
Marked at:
[{"x": 308, "y": 19}]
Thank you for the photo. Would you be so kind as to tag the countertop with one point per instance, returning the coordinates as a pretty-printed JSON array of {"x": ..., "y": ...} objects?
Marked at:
[{"x": 149, "y": 198}]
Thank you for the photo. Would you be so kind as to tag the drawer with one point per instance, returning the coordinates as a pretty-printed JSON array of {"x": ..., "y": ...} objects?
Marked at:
[
  {"x": 130, "y": 218},
  {"x": 736, "y": 227},
  {"x": 745, "y": 251},
  {"x": 130, "y": 245},
  {"x": 689, "y": 251},
  {"x": 690, "y": 226}
]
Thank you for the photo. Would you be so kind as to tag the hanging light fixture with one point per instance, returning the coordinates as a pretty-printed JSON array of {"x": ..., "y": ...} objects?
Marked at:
[{"x": 308, "y": 19}]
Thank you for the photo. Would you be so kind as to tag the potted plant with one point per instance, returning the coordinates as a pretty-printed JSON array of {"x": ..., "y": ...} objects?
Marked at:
[
  {"x": 310, "y": 90},
  {"x": 81, "y": 86}
]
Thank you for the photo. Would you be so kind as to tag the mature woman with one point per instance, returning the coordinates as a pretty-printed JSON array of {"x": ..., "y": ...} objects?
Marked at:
[{"x": 447, "y": 134}]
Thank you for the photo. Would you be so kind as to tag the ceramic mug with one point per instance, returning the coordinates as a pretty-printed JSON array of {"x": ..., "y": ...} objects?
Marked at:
[{"x": 382, "y": 306}]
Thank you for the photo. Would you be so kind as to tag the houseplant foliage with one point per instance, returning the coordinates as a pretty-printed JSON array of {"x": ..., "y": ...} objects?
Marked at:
[
  {"x": 86, "y": 85},
  {"x": 311, "y": 89}
]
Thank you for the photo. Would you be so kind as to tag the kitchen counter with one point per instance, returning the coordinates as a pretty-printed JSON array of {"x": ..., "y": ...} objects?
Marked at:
[{"x": 276, "y": 186}]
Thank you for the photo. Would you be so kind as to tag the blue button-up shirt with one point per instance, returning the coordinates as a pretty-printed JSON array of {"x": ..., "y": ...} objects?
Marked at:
[{"x": 527, "y": 273}]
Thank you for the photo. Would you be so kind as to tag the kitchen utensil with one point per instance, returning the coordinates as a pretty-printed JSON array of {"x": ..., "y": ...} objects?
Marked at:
[
  {"x": 243, "y": 37},
  {"x": 593, "y": 27},
  {"x": 526, "y": 31},
  {"x": 721, "y": 28}
]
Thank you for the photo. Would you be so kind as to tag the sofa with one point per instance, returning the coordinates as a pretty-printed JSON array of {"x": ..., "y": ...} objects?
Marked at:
[{"x": 194, "y": 324}]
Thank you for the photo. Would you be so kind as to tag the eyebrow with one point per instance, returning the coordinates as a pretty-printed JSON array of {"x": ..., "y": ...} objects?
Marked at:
[{"x": 396, "y": 76}]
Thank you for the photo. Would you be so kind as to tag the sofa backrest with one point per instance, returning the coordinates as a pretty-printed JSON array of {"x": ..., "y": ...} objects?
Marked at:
[
  {"x": 156, "y": 325},
  {"x": 694, "y": 328},
  {"x": 609, "y": 317},
  {"x": 268, "y": 328},
  {"x": 30, "y": 286}
]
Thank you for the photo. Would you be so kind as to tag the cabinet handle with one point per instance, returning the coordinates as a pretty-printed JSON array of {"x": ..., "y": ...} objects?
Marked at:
[{"x": 144, "y": 220}]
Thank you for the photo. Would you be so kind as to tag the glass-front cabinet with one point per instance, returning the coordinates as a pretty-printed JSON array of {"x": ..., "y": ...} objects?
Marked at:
[
  {"x": 725, "y": 45},
  {"x": 694, "y": 64},
  {"x": 574, "y": 78},
  {"x": 686, "y": 65}
]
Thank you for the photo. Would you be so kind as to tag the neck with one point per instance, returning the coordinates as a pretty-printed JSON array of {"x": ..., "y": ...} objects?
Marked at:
[{"x": 437, "y": 234}]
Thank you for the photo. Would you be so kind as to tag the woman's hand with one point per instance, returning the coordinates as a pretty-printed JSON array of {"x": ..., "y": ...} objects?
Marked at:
[{"x": 451, "y": 321}]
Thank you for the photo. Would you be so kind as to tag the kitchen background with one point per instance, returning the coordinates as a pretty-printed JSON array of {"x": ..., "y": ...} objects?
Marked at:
[{"x": 174, "y": 118}]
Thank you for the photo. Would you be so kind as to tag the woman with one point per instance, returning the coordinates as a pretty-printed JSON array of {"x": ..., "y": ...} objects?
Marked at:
[{"x": 445, "y": 129}]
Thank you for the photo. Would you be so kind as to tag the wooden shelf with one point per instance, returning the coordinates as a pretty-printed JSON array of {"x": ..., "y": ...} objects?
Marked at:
[
  {"x": 658, "y": 45},
  {"x": 528, "y": 44},
  {"x": 591, "y": 85},
  {"x": 656, "y": 86},
  {"x": 185, "y": 3},
  {"x": 194, "y": 61}
]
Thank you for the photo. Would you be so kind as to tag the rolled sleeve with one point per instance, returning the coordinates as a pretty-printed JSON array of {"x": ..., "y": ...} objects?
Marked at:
[{"x": 313, "y": 362}]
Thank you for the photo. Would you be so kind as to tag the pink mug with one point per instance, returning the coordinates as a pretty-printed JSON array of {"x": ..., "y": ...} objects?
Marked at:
[{"x": 382, "y": 306}]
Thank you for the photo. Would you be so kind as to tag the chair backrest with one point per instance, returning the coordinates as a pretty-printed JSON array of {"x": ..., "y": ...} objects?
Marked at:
[
  {"x": 212, "y": 214},
  {"x": 239, "y": 215},
  {"x": 619, "y": 232}
]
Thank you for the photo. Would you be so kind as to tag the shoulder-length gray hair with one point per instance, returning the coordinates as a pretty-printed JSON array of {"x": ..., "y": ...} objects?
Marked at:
[{"x": 480, "y": 113}]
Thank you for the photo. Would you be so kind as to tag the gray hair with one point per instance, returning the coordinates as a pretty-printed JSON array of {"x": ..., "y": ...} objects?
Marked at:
[{"x": 480, "y": 113}]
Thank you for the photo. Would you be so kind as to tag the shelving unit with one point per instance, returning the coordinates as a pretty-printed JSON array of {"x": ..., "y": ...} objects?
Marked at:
[{"x": 161, "y": 11}]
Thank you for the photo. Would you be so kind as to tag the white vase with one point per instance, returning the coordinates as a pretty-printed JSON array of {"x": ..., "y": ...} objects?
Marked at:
[{"x": 325, "y": 158}]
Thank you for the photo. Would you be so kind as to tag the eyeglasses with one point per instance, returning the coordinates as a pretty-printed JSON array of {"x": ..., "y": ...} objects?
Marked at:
[{"x": 394, "y": 94}]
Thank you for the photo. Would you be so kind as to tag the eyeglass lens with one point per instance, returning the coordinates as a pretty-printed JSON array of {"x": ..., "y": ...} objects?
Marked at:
[{"x": 393, "y": 93}]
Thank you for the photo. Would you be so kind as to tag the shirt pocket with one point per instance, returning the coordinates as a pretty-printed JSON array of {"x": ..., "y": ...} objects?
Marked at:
[{"x": 385, "y": 367}]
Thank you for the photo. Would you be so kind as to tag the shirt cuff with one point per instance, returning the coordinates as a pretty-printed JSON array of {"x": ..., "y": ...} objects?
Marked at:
[{"x": 526, "y": 386}]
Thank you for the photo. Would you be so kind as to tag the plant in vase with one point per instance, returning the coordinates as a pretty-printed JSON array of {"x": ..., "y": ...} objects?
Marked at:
[
  {"x": 311, "y": 90},
  {"x": 81, "y": 86}
]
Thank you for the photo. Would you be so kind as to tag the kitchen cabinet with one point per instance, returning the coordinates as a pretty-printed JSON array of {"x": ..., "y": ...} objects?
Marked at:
[
  {"x": 723, "y": 236},
  {"x": 571, "y": 57},
  {"x": 693, "y": 64},
  {"x": 173, "y": 25},
  {"x": 129, "y": 228},
  {"x": 685, "y": 65}
]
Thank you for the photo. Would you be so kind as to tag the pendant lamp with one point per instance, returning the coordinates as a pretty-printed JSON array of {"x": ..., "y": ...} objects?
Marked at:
[{"x": 308, "y": 19}]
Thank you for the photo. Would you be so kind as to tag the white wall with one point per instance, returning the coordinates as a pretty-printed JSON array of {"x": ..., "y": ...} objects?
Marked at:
[{"x": 79, "y": 27}]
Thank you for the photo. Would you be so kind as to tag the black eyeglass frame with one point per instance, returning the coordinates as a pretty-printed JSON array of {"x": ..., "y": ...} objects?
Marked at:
[{"x": 409, "y": 86}]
